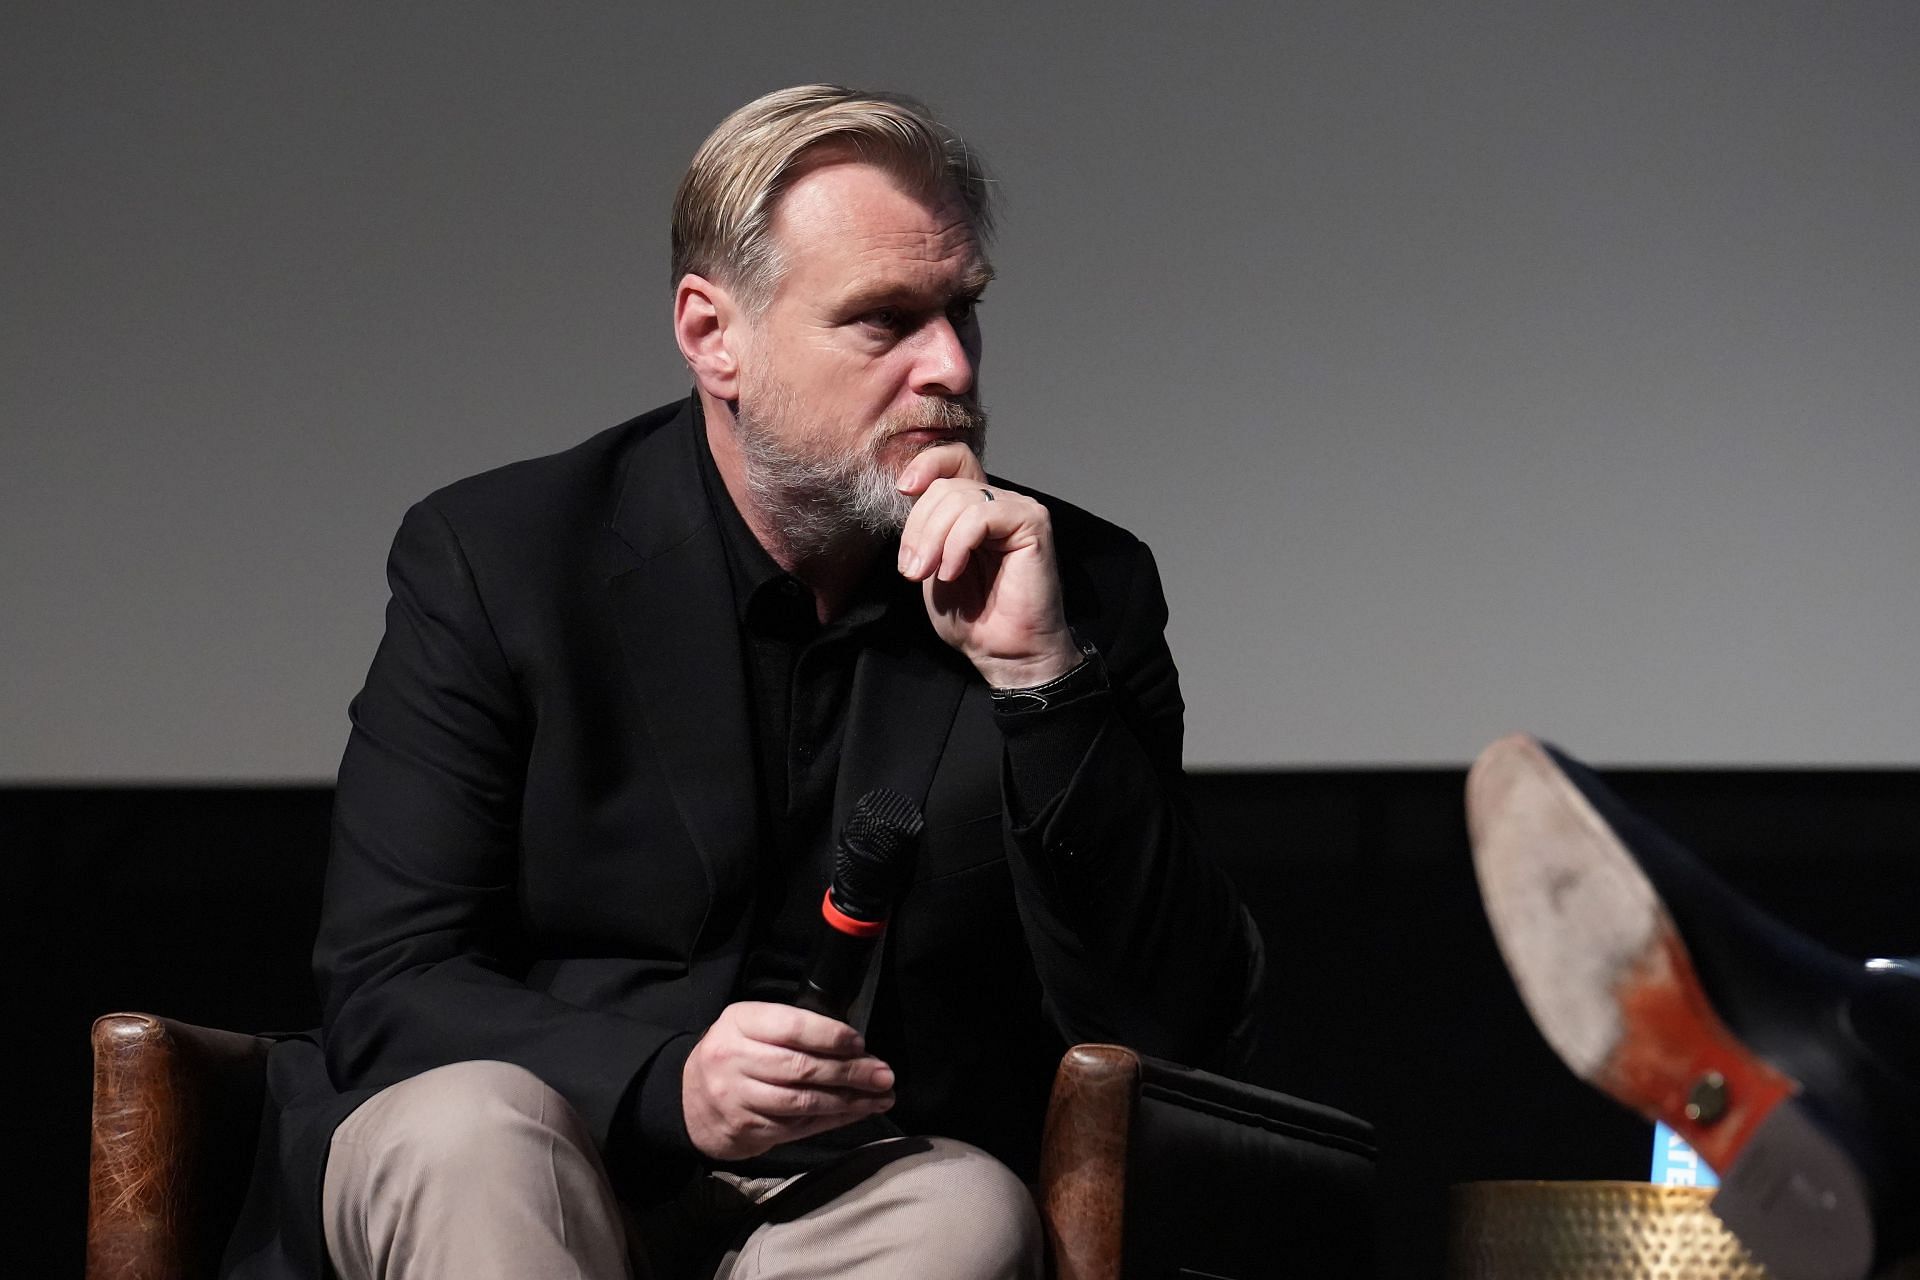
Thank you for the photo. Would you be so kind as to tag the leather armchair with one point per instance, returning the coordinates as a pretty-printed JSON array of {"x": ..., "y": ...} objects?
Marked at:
[
  {"x": 1151, "y": 1169},
  {"x": 1148, "y": 1168}
]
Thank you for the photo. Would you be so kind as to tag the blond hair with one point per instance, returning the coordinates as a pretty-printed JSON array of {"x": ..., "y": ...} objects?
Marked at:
[{"x": 723, "y": 211}]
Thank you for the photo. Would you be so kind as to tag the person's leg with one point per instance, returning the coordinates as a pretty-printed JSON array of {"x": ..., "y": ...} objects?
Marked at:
[
  {"x": 476, "y": 1170},
  {"x": 929, "y": 1208}
]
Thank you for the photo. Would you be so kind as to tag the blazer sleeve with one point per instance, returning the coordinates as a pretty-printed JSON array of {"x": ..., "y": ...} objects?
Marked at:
[
  {"x": 1137, "y": 936},
  {"x": 417, "y": 957}
]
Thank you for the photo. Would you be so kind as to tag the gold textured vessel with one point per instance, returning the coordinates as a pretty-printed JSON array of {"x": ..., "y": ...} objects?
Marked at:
[{"x": 1589, "y": 1231}]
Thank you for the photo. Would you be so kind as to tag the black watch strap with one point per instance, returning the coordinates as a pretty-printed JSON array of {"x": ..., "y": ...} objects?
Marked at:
[{"x": 1090, "y": 676}]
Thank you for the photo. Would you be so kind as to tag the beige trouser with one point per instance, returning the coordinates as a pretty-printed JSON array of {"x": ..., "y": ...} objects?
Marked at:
[{"x": 479, "y": 1170}]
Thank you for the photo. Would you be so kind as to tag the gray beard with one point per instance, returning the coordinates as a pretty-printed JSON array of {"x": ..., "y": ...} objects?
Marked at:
[{"x": 815, "y": 505}]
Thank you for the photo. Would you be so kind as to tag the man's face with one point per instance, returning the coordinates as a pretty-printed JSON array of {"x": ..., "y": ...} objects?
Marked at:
[{"x": 866, "y": 354}]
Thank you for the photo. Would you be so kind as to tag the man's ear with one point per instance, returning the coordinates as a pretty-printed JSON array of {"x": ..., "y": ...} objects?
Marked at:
[{"x": 710, "y": 329}]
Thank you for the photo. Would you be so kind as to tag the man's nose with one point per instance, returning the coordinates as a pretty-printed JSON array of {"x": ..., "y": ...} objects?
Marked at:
[{"x": 943, "y": 366}]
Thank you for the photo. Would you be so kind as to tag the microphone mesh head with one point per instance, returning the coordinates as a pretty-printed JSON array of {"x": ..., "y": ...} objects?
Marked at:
[{"x": 875, "y": 853}]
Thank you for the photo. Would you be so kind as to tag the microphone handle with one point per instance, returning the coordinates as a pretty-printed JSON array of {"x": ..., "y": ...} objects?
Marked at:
[{"x": 835, "y": 973}]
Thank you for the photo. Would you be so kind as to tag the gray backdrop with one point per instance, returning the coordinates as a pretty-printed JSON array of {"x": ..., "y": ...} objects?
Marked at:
[{"x": 1469, "y": 366}]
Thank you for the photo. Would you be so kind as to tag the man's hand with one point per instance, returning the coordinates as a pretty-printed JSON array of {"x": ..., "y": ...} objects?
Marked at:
[
  {"x": 985, "y": 559},
  {"x": 765, "y": 1074}
]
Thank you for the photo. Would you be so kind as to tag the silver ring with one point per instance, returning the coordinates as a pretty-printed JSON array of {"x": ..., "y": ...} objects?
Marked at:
[{"x": 987, "y": 494}]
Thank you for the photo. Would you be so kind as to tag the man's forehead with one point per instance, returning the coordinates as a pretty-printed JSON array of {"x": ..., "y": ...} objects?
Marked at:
[{"x": 859, "y": 219}]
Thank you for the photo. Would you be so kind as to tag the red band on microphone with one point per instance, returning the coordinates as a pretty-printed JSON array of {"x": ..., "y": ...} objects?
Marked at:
[{"x": 847, "y": 924}]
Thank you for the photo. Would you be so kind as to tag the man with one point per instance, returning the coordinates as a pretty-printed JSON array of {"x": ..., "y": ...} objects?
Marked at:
[{"x": 626, "y": 696}]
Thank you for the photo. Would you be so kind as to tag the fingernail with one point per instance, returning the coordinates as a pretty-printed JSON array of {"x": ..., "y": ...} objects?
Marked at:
[
  {"x": 883, "y": 1078},
  {"x": 909, "y": 562}
]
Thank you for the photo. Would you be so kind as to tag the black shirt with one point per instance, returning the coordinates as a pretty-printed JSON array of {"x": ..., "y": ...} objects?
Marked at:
[{"x": 799, "y": 678}]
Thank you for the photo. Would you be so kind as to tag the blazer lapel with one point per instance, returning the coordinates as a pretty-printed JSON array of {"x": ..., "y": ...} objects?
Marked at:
[
  {"x": 674, "y": 612},
  {"x": 904, "y": 698}
]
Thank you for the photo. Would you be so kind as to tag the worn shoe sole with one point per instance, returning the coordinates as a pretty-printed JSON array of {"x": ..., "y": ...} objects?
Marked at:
[{"x": 1602, "y": 969}]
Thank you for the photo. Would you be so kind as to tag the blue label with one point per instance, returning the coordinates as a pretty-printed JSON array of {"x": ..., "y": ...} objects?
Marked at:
[{"x": 1675, "y": 1164}]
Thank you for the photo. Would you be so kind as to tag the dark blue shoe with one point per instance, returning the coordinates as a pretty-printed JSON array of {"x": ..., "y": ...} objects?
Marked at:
[{"x": 1793, "y": 1072}]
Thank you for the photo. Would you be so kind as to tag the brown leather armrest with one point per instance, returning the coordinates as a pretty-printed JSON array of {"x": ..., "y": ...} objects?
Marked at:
[
  {"x": 175, "y": 1112},
  {"x": 1083, "y": 1160}
]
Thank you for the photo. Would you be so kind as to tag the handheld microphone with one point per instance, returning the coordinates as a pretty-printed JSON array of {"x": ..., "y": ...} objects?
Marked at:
[{"x": 870, "y": 867}]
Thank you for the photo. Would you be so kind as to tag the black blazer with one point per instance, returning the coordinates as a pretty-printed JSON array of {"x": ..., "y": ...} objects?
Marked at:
[{"x": 544, "y": 830}]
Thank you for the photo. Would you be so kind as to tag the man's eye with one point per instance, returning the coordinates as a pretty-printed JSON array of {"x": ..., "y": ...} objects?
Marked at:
[
  {"x": 888, "y": 319},
  {"x": 961, "y": 310}
]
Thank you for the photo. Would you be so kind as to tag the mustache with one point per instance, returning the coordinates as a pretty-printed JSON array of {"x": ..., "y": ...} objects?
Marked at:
[{"x": 941, "y": 415}]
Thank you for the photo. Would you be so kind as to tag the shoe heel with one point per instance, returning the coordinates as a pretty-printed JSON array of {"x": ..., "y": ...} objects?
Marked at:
[
  {"x": 1677, "y": 1062},
  {"x": 1797, "y": 1202}
]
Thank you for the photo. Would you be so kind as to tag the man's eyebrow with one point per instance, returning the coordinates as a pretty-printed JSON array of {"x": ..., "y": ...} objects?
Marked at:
[
  {"x": 976, "y": 279},
  {"x": 973, "y": 283}
]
